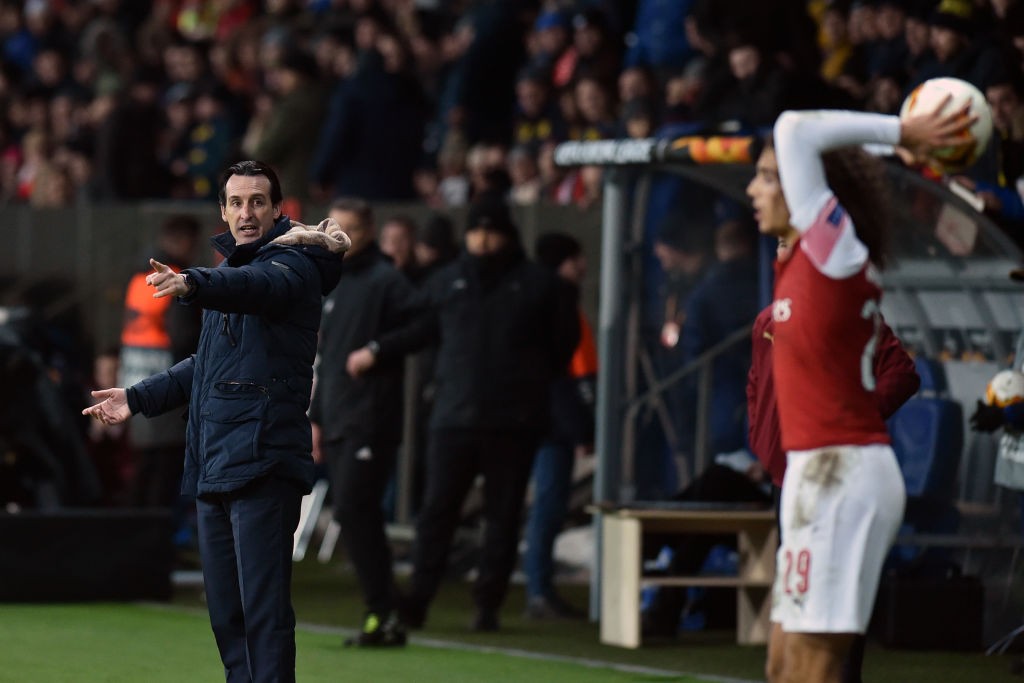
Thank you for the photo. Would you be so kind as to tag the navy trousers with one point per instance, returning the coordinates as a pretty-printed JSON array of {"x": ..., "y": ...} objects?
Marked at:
[{"x": 245, "y": 539}]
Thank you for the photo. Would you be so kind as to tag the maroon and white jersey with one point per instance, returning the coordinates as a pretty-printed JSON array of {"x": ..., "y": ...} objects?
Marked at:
[{"x": 826, "y": 308}]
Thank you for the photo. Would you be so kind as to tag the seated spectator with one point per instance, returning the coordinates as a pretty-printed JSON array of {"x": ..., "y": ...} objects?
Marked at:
[
  {"x": 890, "y": 51},
  {"x": 537, "y": 119},
  {"x": 527, "y": 185},
  {"x": 753, "y": 96},
  {"x": 683, "y": 91},
  {"x": 844, "y": 64},
  {"x": 548, "y": 45},
  {"x": 290, "y": 137},
  {"x": 637, "y": 119},
  {"x": 998, "y": 178},
  {"x": 957, "y": 53},
  {"x": 884, "y": 95},
  {"x": 591, "y": 51},
  {"x": 637, "y": 82},
  {"x": 452, "y": 166},
  {"x": 595, "y": 105}
]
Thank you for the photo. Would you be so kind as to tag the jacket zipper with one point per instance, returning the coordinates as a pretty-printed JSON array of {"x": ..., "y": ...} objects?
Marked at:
[{"x": 226, "y": 329}]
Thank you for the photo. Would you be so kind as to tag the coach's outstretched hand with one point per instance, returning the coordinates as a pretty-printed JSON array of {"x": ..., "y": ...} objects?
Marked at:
[
  {"x": 986, "y": 418},
  {"x": 112, "y": 408}
]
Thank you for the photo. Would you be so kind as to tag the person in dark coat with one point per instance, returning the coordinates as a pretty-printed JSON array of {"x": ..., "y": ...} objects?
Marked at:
[
  {"x": 248, "y": 446},
  {"x": 708, "y": 323},
  {"x": 370, "y": 144},
  {"x": 506, "y": 327},
  {"x": 357, "y": 418}
]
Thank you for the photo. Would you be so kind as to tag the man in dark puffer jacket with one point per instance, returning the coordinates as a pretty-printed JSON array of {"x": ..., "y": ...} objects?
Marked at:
[
  {"x": 247, "y": 454},
  {"x": 505, "y": 326}
]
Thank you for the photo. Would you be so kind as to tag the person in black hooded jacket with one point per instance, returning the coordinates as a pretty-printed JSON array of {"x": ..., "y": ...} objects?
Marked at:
[
  {"x": 357, "y": 420},
  {"x": 248, "y": 446},
  {"x": 506, "y": 327}
]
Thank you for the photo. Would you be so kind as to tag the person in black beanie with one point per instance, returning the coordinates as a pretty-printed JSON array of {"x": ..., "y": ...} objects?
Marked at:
[{"x": 505, "y": 328}]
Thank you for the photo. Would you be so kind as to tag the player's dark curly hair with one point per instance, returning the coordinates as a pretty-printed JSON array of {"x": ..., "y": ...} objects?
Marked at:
[{"x": 858, "y": 180}]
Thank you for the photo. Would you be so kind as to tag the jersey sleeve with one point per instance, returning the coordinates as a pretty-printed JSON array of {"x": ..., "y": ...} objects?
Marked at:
[
  {"x": 828, "y": 236},
  {"x": 800, "y": 140}
]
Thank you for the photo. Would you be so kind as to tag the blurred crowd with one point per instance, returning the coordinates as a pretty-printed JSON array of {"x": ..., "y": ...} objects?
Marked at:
[{"x": 440, "y": 100}]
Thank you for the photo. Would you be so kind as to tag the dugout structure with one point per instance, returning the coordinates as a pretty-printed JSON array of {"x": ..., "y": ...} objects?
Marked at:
[{"x": 947, "y": 295}]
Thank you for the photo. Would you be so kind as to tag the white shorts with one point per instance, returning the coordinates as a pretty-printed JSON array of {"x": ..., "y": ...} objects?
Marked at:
[{"x": 841, "y": 509}]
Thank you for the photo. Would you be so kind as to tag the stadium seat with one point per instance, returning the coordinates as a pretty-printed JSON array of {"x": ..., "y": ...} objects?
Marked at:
[{"x": 927, "y": 436}]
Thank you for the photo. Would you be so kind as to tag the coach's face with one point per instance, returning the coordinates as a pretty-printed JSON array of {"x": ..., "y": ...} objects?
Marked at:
[
  {"x": 765, "y": 192},
  {"x": 247, "y": 209}
]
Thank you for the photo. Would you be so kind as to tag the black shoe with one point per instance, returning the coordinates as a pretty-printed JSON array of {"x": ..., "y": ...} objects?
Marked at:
[
  {"x": 377, "y": 632},
  {"x": 553, "y": 607},
  {"x": 485, "y": 620},
  {"x": 411, "y": 612}
]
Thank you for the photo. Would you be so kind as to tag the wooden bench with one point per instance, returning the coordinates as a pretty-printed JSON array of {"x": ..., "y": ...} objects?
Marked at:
[{"x": 622, "y": 577}]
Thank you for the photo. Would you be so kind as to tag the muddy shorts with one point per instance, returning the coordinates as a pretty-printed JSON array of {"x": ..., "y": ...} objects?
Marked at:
[{"x": 841, "y": 509}]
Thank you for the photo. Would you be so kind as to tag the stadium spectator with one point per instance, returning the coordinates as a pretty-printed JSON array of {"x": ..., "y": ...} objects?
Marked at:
[
  {"x": 372, "y": 142},
  {"x": 525, "y": 176},
  {"x": 595, "y": 103},
  {"x": 754, "y": 92},
  {"x": 537, "y": 118},
  {"x": 247, "y": 458},
  {"x": 636, "y": 83},
  {"x": 127, "y": 166},
  {"x": 957, "y": 55},
  {"x": 659, "y": 41},
  {"x": 290, "y": 137},
  {"x": 549, "y": 47},
  {"x": 998, "y": 177},
  {"x": 591, "y": 51}
]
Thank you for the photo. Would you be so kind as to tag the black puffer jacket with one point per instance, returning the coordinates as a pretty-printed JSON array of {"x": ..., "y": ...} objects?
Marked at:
[
  {"x": 372, "y": 301},
  {"x": 248, "y": 385},
  {"x": 507, "y": 327}
]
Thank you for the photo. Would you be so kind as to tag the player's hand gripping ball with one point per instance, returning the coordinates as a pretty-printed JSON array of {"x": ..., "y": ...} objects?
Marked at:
[{"x": 929, "y": 96}]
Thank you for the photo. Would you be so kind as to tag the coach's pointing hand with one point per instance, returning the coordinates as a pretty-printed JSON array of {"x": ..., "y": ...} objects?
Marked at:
[{"x": 166, "y": 281}]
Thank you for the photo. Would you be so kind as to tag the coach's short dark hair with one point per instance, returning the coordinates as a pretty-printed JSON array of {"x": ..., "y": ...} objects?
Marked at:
[{"x": 251, "y": 168}]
